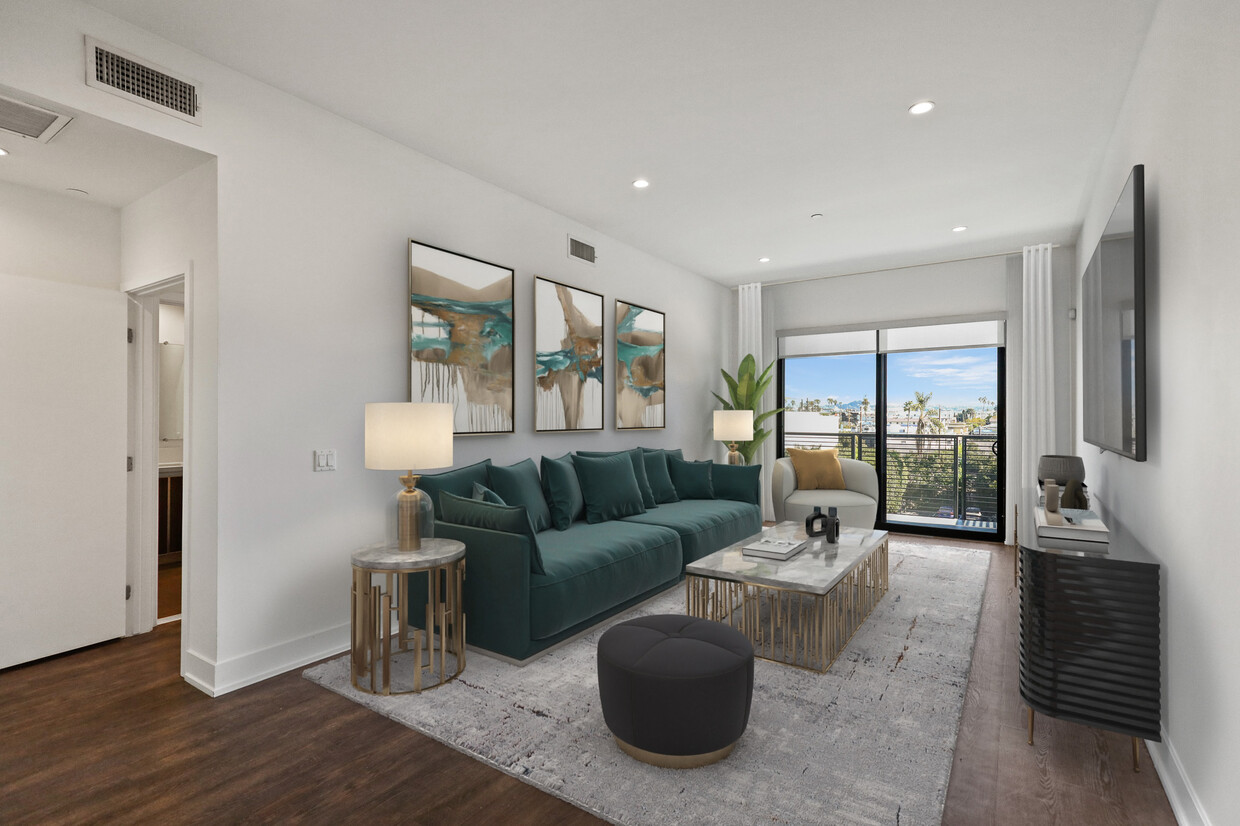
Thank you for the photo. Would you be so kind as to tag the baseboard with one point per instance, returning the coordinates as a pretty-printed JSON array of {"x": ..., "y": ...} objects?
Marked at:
[
  {"x": 1184, "y": 802},
  {"x": 215, "y": 678}
]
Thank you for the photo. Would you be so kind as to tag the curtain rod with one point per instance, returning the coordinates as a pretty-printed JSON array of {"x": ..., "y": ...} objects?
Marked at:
[{"x": 891, "y": 269}]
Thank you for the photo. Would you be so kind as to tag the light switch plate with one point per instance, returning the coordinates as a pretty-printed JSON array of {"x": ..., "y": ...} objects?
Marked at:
[{"x": 324, "y": 460}]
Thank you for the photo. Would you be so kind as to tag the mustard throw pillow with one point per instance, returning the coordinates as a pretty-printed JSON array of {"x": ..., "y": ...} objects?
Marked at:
[{"x": 817, "y": 469}]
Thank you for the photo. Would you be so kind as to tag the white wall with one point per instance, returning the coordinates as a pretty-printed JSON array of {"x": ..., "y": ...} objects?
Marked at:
[
  {"x": 979, "y": 287},
  {"x": 310, "y": 302},
  {"x": 1181, "y": 120},
  {"x": 58, "y": 237}
]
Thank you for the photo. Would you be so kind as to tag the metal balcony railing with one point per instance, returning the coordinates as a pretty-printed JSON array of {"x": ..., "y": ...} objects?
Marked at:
[{"x": 931, "y": 475}]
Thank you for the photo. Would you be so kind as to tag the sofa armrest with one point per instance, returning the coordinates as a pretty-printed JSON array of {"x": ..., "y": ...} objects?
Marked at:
[
  {"x": 783, "y": 485},
  {"x": 497, "y": 588}
]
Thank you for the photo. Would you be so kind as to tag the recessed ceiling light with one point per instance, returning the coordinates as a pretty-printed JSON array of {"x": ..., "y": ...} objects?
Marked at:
[
  {"x": 641, "y": 183},
  {"x": 764, "y": 260},
  {"x": 76, "y": 190},
  {"x": 959, "y": 229},
  {"x": 3, "y": 151},
  {"x": 816, "y": 215},
  {"x": 921, "y": 107}
]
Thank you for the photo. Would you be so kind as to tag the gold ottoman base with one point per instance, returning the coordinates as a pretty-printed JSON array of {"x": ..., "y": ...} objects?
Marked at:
[{"x": 675, "y": 761}]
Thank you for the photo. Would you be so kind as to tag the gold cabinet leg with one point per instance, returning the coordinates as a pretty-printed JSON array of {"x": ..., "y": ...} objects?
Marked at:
[
  {"x": 1136, "y": 754},
  {"x": 1031, "y": 726}
]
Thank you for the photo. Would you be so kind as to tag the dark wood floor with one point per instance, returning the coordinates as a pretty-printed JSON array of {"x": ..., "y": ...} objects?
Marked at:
[
  {"x": 168, "y": 601},
  {"x": 113, "y": 734}
]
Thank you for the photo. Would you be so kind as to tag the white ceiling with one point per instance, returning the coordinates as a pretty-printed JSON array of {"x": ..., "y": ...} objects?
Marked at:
[
  {"x": 114, "y": 164},
  {"x": 746, "y": 116}
]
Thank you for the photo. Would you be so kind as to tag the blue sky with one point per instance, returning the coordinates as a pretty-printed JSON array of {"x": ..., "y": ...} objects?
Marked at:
[{"x": 956, "y": 377}]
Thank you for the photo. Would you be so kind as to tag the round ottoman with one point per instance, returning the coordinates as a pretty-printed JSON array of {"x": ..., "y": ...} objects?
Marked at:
[{"x": 675, "y": 690}]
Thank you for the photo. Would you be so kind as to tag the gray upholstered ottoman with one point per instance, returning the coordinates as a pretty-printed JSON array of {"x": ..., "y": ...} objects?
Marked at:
[{"x": 675, "y": 690}]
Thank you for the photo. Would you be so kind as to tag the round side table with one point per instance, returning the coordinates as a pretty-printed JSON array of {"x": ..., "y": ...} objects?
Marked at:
[{"x": 406, "y": 659}]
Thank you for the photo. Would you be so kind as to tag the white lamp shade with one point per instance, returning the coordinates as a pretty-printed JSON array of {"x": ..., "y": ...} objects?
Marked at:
[
  {"x": 408, "y": 435},
  {"x": 733, "y": 425}
]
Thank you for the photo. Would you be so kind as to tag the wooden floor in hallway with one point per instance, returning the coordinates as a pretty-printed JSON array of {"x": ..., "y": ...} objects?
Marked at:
[{"x": 113, "y": 734}]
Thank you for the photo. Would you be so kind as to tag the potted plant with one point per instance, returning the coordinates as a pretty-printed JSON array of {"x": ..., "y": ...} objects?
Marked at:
[{"x": 745, "y": 392}]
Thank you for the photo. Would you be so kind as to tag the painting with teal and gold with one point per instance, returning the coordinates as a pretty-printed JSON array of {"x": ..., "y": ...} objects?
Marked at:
[
  {"x": 460, "y": 337},
  {"x": 568, "y": 357},
  {"x": 639, "y": 367}
]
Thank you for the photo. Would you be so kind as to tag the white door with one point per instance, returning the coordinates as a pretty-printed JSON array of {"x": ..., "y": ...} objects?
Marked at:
[{"x": 63, "y": 394}]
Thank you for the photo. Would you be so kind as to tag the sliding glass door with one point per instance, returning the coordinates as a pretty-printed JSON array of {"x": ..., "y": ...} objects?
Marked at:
[{"x": 930, "y": 420}]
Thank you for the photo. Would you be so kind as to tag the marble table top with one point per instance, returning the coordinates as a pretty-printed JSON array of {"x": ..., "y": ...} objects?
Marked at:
[
  {"x": 815, "y": 570},
  {"x": 385, "y": 556}
]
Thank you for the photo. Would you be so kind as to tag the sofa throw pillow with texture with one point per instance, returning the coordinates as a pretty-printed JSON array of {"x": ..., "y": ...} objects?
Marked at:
[
  {"x": 692, "y": 479},
  {"x": 661, "y": 486},
  {"x": 817, "y": 469},
  {"x": 638, "y": 457},
  {"x": 475, "y": 513},
  {"x": 459, "y": 482},
  {"x": 563, "y": 491},
  {"x": 485, "y": 494},
  {"x": 609, "y": 487},
  {"x": 519, "y": 485},
  {"x": 740, "y": 483}
]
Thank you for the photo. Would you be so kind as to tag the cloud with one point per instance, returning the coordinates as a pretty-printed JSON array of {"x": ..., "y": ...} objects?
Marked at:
[{"x": 952, "y": 370}]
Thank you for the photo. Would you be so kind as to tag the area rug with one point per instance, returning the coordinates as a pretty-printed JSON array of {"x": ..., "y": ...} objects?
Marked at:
[{"x": 868, "y": 742}]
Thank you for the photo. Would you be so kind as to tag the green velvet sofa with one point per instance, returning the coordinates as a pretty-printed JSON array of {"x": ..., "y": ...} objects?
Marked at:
[{"x": 542, "y": 566}]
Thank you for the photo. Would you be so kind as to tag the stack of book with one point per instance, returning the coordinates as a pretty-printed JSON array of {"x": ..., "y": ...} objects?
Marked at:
[
  {"x": 771, "y": 546},
  {"x": 1072, "y": 530}
]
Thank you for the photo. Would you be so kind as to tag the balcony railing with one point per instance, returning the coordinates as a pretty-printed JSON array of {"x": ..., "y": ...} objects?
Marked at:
[{"x": 931, "y": 475}]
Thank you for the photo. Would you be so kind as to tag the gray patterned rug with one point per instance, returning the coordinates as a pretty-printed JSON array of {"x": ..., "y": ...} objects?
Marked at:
[{"x": 869, "y": 742}]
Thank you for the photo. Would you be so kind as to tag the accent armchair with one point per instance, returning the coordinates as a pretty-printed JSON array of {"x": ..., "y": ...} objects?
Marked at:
[{"x": 857, "y": 504}]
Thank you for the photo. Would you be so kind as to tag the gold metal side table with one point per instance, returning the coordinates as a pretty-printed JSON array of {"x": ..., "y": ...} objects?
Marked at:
[{"x": 389, "y": 655}]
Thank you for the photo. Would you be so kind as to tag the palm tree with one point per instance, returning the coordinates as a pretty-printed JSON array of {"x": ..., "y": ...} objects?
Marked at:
[
  {"x": 925, "y": 422},
  {"x": 865, "y": 411}
]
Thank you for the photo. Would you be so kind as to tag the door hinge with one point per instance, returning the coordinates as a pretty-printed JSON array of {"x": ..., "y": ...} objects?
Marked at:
[
  {"x": 129, "y": 336},
  {"x": 128, "y": 463},
  {"x": 128, "y": 591}
]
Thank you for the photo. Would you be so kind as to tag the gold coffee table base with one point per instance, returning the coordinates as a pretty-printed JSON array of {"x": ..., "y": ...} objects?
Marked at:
[
  {"x": 789, "y": 626},
  {"x": 405, "y": 659}
]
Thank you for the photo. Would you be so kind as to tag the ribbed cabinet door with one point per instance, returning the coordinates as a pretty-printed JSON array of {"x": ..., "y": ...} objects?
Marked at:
[{"x": 1090, "y": 641}]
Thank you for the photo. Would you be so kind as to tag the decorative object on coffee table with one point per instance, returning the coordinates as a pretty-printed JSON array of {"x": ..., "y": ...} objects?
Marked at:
[
  {"x": 675, "y": 690},
  {"x": 403, "y": 436},
  {"x": 381, "y": 583},
  {"x": 732, "y": 426}
]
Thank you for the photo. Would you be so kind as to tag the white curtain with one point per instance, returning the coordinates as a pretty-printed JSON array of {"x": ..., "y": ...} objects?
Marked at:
[
  {"x": 1037, "y": 364},
  {"x": 749, "y": 340}
]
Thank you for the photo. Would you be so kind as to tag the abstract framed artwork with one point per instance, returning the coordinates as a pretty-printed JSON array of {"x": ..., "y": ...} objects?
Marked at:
[
  {"x": 640, "y": 359},
  {"x": 568, "y": 357},
  {"x": 460, "y": 337}
]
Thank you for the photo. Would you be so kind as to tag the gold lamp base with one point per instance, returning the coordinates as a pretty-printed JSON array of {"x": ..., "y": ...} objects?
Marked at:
[{"x": 412, "y": 507}]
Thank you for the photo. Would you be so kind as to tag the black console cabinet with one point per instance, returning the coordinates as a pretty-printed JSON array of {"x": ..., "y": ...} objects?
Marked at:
[{"x": 1090, "y": 641}]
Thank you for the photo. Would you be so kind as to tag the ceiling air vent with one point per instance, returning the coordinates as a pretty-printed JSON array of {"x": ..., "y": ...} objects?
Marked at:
[
  {"x": 580, "y": 250},
  {"x": 143, "y": 82},
  {"x": 30, "y": 121}
]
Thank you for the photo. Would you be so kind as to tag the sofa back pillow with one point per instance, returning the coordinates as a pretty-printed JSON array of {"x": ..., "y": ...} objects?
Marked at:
[
  {"x": 661, "y": 486},
  {"x": 609, "y": 487},
  {"x": 563, "y": 491},
  {"x": 475, "y": 513},
  {"x": 637, "y": 457},
  {"x": 519, "y": 485},
  {"x": 692, "y": 479},
  {"x": 487, "y": 495},
  {"x": 459, "y": 482},
  {"x": 741, "y": 483},
  {"x": 817, "y": 469}
]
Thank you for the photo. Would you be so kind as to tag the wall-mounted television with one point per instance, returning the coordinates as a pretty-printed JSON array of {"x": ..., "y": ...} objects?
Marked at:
[{"x": 1113, "y": 329}]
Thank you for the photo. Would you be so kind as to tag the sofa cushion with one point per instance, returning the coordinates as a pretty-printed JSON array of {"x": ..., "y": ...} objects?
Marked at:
[
  {"x": 590, "y": 568},
  {"x": 562, "y": 491},
  {"x": 519, "y": 485},
  {"x": 507, "y": 518},
  {"x": 608, "y": 486},
  {"x": 692, "y": 479},
  {"x": 459, "y": 482},
  {"x": 484, "y": 493},
  {"x": 637, "y": 456},
  {"x": 704, "y": 525},
  {"x": 740, "y": 482},
  {"x": 660, "y": 481},
  {"x": 817, "y": 469},
  {"x": 854, "y": 509}
]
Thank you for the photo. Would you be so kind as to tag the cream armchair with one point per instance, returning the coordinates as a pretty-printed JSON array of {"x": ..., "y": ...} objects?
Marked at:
[{"x": 857, "y": 504}]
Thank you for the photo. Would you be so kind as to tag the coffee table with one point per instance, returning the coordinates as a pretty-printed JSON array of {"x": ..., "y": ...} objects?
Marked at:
[{"x": 802, "y": 611}]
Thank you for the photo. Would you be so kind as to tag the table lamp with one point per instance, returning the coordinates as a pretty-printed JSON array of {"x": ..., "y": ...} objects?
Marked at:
[
  {"x": 405, "y": 435},
  {"x": 734, "y": 426}
]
